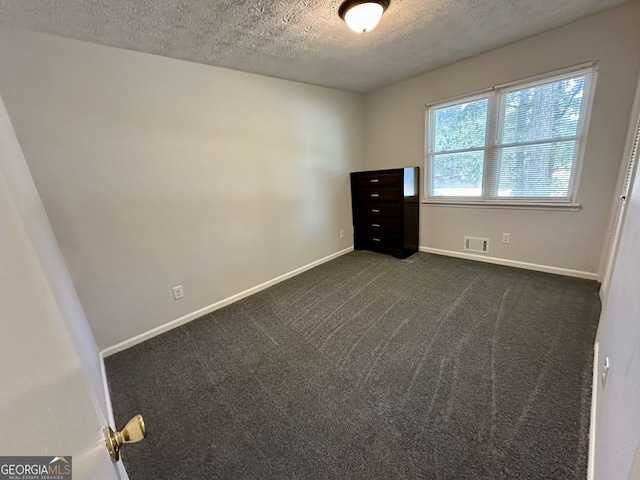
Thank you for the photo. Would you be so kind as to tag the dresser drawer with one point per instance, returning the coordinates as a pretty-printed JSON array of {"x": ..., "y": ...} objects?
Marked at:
[
  {"x": 366, "y": 180},
  {"x": 378, "y": 195},
  {"x": 375, "y": 210},
  {"x": 378, "y": 224},
  {"x": 371, "y": 241}
]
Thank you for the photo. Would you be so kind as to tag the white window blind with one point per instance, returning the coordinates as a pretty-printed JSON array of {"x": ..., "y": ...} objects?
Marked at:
[{"x": 520, "y": 143}]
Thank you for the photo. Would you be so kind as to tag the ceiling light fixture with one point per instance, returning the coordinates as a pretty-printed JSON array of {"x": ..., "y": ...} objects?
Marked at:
[{"x": 362, "y": 15}]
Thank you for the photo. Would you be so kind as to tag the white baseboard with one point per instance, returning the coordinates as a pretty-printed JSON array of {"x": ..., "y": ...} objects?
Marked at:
[
  {"x": 602, "y": 293},
  {"x": 513, "y": 263},
  {"x": 215, "y": 306}
]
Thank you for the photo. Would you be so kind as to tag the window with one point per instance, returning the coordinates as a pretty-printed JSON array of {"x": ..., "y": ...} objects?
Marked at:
[{"x": 520, "y": 143}]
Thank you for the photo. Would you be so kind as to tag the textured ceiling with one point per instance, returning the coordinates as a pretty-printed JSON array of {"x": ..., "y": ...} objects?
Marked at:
[{"x": 302, "y": 40}]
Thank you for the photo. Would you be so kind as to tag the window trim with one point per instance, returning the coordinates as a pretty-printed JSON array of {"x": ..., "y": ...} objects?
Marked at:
[{"x": 491, "y": 143}]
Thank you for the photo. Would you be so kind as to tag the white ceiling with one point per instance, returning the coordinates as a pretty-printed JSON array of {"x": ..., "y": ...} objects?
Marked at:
[{"x": 302, "y": 40}]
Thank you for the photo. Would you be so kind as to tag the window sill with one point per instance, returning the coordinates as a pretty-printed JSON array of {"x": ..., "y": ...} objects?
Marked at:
[{"x": 561, "y": 207}]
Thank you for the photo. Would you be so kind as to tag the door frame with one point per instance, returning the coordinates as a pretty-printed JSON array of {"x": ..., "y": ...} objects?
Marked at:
[{"x": 626, "y": 174}]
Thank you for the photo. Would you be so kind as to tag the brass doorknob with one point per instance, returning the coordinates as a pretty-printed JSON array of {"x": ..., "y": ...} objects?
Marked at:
[{"x": 133, "y": 432}]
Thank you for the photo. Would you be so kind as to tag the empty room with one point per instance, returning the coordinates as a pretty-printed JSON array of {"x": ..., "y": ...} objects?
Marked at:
[{"x": 319, "y": 239}]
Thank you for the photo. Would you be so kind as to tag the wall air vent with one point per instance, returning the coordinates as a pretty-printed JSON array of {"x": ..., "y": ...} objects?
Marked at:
[{"x": 476, "y": 244}]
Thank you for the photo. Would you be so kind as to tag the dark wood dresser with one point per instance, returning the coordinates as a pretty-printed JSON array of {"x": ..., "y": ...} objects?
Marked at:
[{"x": 386, "y": 210}]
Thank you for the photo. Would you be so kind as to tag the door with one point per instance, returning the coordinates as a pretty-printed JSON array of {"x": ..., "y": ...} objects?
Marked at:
[{"x": 49, "y": 403}]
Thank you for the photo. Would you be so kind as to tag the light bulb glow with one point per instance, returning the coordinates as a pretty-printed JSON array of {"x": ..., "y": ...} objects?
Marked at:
[{"x": 363, "y": 17}]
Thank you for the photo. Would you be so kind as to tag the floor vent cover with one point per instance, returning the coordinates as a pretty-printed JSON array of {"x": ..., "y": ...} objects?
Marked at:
[{"x": 476, "y": 244}]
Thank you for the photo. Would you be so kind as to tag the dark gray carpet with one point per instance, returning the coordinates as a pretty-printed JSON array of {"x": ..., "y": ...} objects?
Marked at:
[{"x": 371, "y": 367}]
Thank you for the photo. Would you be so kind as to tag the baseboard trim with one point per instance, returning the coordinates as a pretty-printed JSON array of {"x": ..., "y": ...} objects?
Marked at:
[
  {"x": 513, "y": 263},
  {"x": 215, "y": 306}
]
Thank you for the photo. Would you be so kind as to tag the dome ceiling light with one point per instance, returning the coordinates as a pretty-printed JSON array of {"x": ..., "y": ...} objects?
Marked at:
[{"x": 362, "y": 15}]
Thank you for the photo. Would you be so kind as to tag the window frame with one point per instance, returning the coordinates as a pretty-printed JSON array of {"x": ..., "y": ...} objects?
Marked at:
[{"x": 494, "y": 124}]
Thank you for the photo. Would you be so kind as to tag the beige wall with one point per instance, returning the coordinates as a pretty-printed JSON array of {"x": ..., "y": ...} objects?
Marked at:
[
  {"x": 156, "y": 172},
  {"x": 569, "y": 240}
]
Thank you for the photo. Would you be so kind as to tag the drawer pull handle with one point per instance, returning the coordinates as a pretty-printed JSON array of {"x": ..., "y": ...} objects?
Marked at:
[
  {"x": 375, "y": 195},
  {"x": 376, "y": 239},
  {"x": 375, "y": 210},
  {"x": 374, "y": 180},
  {"x": 375, "y": 225}
]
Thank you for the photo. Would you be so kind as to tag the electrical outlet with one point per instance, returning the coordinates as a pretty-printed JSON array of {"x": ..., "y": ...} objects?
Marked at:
[
  {"x": 506, "y": 238},
  {"x": 177, "y": 292},
  {"x": 341, "y": 233}
]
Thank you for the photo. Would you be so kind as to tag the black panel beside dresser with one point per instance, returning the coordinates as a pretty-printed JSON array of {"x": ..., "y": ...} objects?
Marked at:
[{"x": 386, "y": 210}]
